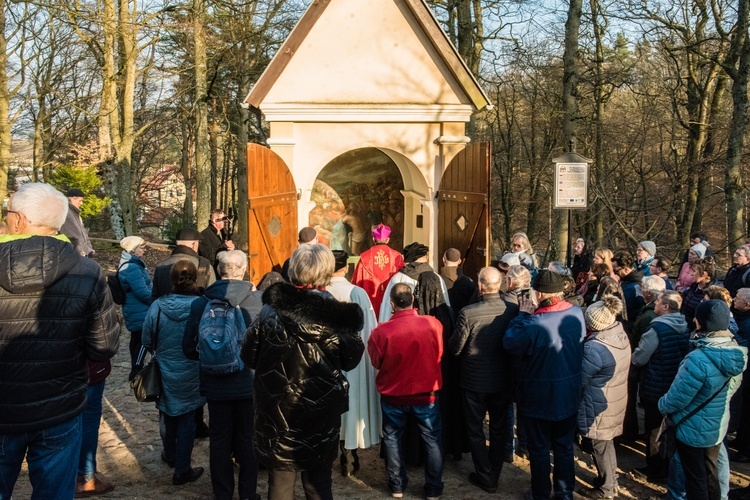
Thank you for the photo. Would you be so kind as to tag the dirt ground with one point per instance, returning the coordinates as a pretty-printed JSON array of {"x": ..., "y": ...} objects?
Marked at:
[{"x": 130, "y": 447}]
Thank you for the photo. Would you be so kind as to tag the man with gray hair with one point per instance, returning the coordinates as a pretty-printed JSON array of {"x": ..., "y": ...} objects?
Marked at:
[
  {"x": 485, "y": 375},
  {"x": 230, "y": 397},
  {"x": 57, "y": 314}
]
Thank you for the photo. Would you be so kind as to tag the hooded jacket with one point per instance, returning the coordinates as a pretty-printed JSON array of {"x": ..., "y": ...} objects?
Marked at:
[
  {"x": 55, "y": 313},
  {"x": 136, "y": 283},
  {"x": 604, "y": 385},
  {"x": 238, "y": 293},
  {"x": 716, "y": 358},
  {"x": 298, "y": 347},
  {"x": 179, "y": 375}
]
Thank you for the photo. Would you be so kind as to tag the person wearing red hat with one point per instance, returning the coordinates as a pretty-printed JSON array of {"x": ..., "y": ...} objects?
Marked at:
[{"x": 377, "y": 265}]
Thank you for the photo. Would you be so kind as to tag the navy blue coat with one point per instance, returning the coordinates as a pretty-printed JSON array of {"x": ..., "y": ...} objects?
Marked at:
[
  {"x": 237, "y": 293},
  {"x": 550, "y": 345}
]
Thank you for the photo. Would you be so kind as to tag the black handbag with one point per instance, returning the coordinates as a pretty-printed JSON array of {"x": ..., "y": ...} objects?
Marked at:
[
  {"x": 147, "y": 383},
  {"x": 666, "y": 437}
]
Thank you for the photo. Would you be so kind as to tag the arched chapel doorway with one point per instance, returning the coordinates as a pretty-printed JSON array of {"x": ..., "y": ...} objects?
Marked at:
[{"x": 353, "y": 192}]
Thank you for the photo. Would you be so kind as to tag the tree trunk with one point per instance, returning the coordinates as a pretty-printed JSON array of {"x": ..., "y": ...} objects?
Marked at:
[
  {"x": 5, "y": 134},
  {"x": 570, "y": 115},
  {"x": 733, "y": 185},
  {"x": 203, "y": 179}
]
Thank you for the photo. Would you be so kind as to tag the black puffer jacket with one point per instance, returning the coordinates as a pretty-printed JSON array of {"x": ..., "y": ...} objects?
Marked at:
[
  {"x": 55, "y": 312},
  {"x": 299, "y": 398}
]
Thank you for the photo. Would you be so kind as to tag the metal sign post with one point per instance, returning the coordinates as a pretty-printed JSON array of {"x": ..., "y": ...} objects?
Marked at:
[{"x": 571, "y": 187}]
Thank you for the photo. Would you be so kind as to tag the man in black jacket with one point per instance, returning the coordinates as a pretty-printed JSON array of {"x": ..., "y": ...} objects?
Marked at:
[
  {"x": 485, "y": 375},
  {"x": 56, "y": 314},
  {"x": 215, "y": 237},
  {"x": 187, "y": 242},
  {"x": 230, "y": 397}
]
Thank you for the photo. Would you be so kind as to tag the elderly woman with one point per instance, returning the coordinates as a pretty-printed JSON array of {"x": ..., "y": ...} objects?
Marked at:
[
  {"x": 136, "y": 283},
  {"x": 685, "y": 277},
  {"x": 163, "y": 332},
  {"x": 604, "y": 394},
  {"x": 298, "y": 347}
]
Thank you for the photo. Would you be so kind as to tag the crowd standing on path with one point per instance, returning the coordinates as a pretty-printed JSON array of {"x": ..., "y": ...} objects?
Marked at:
[{"x": 298, "y": 373}]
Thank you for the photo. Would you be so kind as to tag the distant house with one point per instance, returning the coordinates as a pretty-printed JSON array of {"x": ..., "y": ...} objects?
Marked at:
[{"x": 161, "y": 198}]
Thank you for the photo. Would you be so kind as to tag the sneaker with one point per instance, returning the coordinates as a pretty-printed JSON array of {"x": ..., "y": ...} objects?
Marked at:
[
  {"x": 397, "y": 494},
  {"x": 477, "y": 481},
  {"x": 99, "y": 485},
  {"x": 192, "y": 475}
]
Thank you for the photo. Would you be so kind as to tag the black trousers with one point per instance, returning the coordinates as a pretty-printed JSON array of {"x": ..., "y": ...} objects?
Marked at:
[
  {"x": 652, "y": 417},
  {"x": 701, "y": 471},
  {"x": 488, "y": 463},
  {"x": 232, "y": 435}
]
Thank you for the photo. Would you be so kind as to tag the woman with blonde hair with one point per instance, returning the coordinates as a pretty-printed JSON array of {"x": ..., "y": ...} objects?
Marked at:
[{"x": 521, "y": 246}]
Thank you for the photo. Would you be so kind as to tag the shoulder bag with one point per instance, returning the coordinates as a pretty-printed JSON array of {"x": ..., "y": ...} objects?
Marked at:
[{"x": 147, "y": 384}]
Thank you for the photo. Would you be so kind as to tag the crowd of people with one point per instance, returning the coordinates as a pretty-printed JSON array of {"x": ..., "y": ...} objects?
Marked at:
[{"x": 306, "y": 366}]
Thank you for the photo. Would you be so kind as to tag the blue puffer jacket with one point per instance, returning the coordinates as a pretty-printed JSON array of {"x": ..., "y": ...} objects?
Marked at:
[
  {"x": 179, "y": 375},
  {"x": 136, "y": 283},
  {"x": 550, "y": 345},
  {"x": 702, "y": 373}
]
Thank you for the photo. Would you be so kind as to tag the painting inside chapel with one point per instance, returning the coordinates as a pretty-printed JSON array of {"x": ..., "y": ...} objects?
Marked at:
[{"x": 358, "y": 190}]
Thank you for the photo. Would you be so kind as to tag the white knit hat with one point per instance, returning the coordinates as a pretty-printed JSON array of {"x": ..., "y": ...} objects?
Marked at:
[
  {"x": 130, "y": 243},
  {"x": 699, "y": 249},
  {"x": 603, "y": 314},
  {"x": 511, "y": 259}
]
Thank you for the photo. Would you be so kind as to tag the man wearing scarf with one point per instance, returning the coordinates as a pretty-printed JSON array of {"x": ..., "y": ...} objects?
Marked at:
[
  {"x": 377, "y": 265},
  {"x": 547, "y": 336}
]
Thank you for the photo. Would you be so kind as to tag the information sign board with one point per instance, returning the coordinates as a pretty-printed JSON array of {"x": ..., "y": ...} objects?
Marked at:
[{"x": 571, "y": 185}]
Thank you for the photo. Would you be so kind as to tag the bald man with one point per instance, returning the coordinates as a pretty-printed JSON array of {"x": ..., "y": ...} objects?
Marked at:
[{"x": 485, "y": 375}]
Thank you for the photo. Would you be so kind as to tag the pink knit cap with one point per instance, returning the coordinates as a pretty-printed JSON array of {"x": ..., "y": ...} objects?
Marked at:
[{"x": 381, "y": 232}]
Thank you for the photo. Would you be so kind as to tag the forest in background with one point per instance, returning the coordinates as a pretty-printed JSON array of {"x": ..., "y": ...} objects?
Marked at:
[{"x": 655, "y": 92}]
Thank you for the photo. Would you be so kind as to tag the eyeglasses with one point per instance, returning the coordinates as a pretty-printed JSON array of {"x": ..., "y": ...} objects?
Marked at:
[
  {"x": 6, "y": 212},
  {"x": 223, "y": 219}
]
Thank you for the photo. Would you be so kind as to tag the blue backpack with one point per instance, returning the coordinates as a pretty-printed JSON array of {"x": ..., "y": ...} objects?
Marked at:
[{"x": 221, "y": 332}]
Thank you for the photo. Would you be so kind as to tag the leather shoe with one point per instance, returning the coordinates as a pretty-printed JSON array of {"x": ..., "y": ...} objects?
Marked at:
[
  {"x": 477, "y": 481},
  {"x": 594, "y": 493},
  {"x": 99, "y": 485},
  {"x": 192, "y": 475}
]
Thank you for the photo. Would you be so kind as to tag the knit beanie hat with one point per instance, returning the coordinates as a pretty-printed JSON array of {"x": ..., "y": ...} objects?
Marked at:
[
  {"x": 712, "y": 315},
  {"x": 603, "y": 314},
  {"x": 130, "y": 243},
  {"x": 648, "y": 246},
  {"x": 548, "y": 282},
  {"x": 511, "y": 259},
  {"x": 700, "y": 249}
]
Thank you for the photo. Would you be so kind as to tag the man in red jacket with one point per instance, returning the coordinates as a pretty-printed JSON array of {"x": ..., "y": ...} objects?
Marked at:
[{"x": 407, "y": 350}]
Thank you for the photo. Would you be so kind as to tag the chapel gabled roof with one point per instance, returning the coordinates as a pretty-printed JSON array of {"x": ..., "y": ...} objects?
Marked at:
[{"x": 424, "y": 21}]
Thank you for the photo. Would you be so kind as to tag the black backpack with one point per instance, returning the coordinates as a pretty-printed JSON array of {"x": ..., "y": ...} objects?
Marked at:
[{"x": 114, "y": 285}]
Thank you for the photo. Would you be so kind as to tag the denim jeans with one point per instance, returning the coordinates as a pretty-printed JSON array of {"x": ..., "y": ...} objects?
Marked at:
[
  {"x": 317, "y": 484},
  {"x": 558, "y": 436},
  {"x": 509, "y": 431},
  {"x": 177, "y": 436},
  {"x": 430, "y": 430},
  {"x": 676, "y": 482},
  {"x": 90, "y": 420},
  {"x": 49, "y": 453},
  {"x": 232, "y": 435}
]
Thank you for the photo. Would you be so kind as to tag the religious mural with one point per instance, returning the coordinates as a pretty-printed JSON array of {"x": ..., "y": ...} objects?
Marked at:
[{"x": 358, "y": 190}]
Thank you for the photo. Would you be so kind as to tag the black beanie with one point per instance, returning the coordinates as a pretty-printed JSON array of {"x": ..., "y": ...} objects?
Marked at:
[
  {"x": 341, "y": 258},
  {"x": 712, "y": 315},
  {"x": 548, "y": 282},
  {"x": 415, "y": 250}
]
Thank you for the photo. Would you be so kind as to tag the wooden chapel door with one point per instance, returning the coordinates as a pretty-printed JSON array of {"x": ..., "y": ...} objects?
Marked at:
[
  {"x": 464, "y": 208},
  {"x": 272, "y": 217}
]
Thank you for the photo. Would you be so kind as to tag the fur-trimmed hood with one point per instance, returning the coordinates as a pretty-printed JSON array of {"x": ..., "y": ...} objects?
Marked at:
[{"x": 312, "y": 314}]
